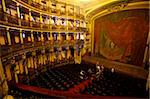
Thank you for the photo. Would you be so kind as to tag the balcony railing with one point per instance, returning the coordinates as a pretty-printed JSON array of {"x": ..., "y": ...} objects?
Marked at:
[
  {"x": 46, "y": 26},
  {"x": 50, "y": 9},
  {"x": 8, "y": 49},
  {"x": 2, "y": 17},
  {"x": 36, "y": 24},
  {"x": 10, "y": 19},
  {"x": 15, "y": 20},
  {"x": 25, "y": 23}
]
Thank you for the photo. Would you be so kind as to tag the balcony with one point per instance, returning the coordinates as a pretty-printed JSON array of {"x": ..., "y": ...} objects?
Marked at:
[
  {"x": 2, "y": 16},
  {"x": 62, "y": 27},
  {"x": 36, "y": 24},
  {"x": 7, "y": 50},
  {"x": 35, "y": 4},
  {"x": 70, "y": 28},
  {"x": 9, "y": 18},
  {"x": 25, "y": 23},
  {"x": 46, "y": 26}
]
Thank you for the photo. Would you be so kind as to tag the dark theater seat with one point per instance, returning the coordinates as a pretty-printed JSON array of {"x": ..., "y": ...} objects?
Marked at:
[{"x": 67, "y": 78}]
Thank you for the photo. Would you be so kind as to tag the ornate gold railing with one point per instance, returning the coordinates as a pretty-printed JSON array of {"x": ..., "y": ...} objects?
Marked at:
[
  {"x": 10, "y": 49},
  {"x": 49, "y": 9},
  {"x": 7, "y": 18}
]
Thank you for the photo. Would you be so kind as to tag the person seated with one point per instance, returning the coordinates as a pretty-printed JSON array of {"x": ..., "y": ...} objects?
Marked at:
[
  {"x": 102, "y": 67},
  {"x": 83, "y": 75},
  {"x": 90, "y": 70},
  {"x": 112, "y": 70},
  {"x": 82, "y": 72}
]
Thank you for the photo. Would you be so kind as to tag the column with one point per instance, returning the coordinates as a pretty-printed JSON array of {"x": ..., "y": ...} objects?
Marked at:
[
  {"x": 41, "y": 58},
  {"x": 35, "y": 63},
  {"x": 42, "y": 37},
  {"x": 17, "y": 71},
  {"x": 67, "y": 8},
  {"x": 4, "y": 9},
  {"x": 75, "y": 54},
  {"x": 51, "y": 38},
  {"x": 75, "y": 36},
  {"x": 50, "y": 22},
  {"x": 48, "y": 3},
  {"x": 2, "y": 76},
  {"x": 8, "y": 36},
  {"x": 26, "y": 70},
  {"x": 67, "y": 24},
  {"x": 58, "y": 23},
  {"x": 68, "y": 53},
  {"x": 75, "y": 24},
  {"x": 32, "y": 37},
  {"x": 21, "y": 66},
  {"x": 28, "y": 62},
  {"x": 21, "y": 38},
  {"x": 3, "y": 5},
  {"x": 18, "y": 13},
  {"x": 30, "y": 17},
  {"x": 58, "y": 7},
  {"x": 67, "y": 37},
  {"x": 44, "y": 57},
  {"x": 8, "y": 72},
  {"x": 59, "y": 54},
  {"x": 34, "y": 59},
  {"x": 41, "y": 20},
  {"x": 25, "y": 64},
  {"x": 58, "y": 38},
  {"x": 32, "y": 62}
]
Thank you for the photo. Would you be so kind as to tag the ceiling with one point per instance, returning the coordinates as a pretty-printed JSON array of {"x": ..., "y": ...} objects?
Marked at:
[
  {"x": 88, "y": 5},
  {"x": 83, "y": 3}
]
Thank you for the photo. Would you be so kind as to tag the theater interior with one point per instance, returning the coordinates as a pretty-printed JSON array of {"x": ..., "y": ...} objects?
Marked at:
[{"x": 74, "y": 49}]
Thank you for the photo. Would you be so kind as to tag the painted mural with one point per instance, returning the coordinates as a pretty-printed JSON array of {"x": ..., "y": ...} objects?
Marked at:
[{"x": 122, "y": 36}]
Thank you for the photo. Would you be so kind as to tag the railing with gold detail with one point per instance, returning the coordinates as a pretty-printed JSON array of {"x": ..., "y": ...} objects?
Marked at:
[
  {"x": 14, "y": 20},
  {"x": 48, "y": 9},
  {"x": 25, "y": 23},
  {"x": 11, "y": 19},
  {"x": 11, "y": 49}
]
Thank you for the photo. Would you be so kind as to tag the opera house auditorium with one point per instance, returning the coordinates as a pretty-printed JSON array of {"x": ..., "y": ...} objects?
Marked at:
[{"x": 74, "y": 49}]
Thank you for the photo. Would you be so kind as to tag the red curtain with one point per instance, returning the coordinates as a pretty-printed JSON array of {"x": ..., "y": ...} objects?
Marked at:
[{"x": 129, "y": 33}]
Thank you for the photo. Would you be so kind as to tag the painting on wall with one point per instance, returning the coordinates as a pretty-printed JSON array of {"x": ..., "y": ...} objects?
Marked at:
[{"x": 122, "y": 36}]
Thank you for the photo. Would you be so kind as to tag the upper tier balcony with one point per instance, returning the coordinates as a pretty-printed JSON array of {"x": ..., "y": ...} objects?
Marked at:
[{"x": 10, "y": 20}]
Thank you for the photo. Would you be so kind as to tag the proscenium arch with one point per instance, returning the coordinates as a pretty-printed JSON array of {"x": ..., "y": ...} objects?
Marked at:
[{"x": 130, "y": 6}]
